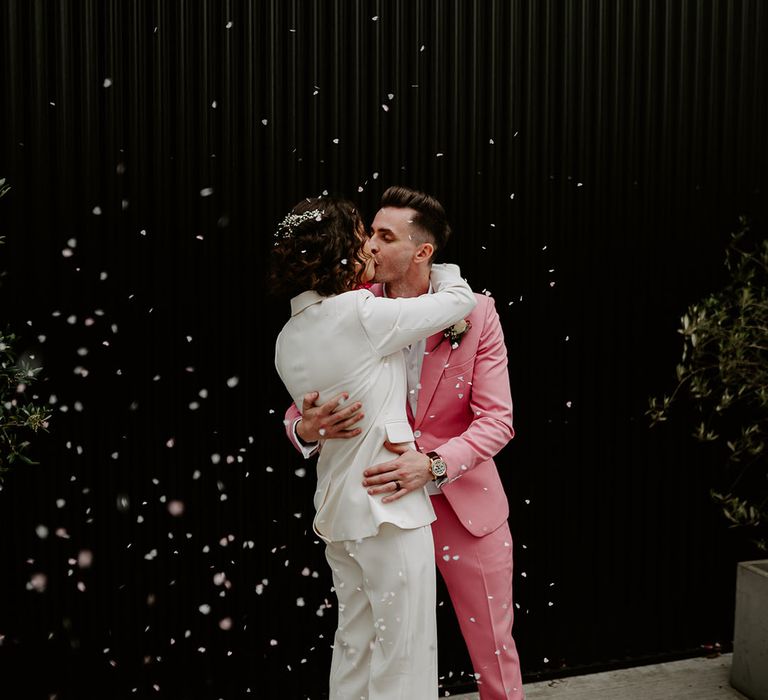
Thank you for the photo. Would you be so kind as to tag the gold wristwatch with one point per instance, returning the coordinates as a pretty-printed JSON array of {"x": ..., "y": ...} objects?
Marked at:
[{"x": 438, "y": 469}]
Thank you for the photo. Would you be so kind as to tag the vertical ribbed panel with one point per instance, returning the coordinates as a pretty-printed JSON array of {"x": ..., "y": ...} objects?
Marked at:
[{"x": 593, "y": 156}]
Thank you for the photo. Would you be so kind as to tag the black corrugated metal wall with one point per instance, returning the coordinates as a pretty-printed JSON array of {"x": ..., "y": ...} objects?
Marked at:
[{"x": 593, "y": 157}]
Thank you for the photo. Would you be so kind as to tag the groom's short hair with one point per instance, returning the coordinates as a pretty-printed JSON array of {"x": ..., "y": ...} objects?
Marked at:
[{"x": 430, "y": 215}]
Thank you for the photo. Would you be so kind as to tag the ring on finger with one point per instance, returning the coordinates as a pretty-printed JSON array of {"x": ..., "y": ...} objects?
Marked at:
[{"x": 398, "y": 486}]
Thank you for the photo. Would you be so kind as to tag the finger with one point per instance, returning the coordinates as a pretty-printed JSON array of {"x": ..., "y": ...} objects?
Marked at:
[
  {"x": 332, "y": 404},
  {"x": 341, "y": 405},
  {"x": 346, "y": 434},
  {"x": 383, "y": 488},
  {"x": 309, "y": 401},
  {"x": 328, "y": 407},
  {"x": 349, "y": 422},
  {"x": 334, "y": 434},
  {"x": 383, "y": 468},
  {"x": 345, "y": 414},
  {"x": 335, "y": 428},
  {"x": 388, "y": 478},
  {"x": 395, "y": 495},
  {"x": 389, "y": 488},
  {"x": 397, "y": 447}
]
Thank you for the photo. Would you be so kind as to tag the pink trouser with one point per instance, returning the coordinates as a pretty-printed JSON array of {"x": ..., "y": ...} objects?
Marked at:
[{"x": 478, "y": 574}]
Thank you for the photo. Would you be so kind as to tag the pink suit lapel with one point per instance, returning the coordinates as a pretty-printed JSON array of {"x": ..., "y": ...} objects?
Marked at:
[{"x": 438, "y": 350}]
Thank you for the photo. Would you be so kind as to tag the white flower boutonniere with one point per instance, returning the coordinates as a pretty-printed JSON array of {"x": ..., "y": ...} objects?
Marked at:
[{"x": 457, "y": 331}]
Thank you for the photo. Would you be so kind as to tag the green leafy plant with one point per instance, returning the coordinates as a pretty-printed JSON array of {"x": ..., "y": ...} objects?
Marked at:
[
  {"x": 724, "y": 374},
  {"x": 18, "y": 418}
]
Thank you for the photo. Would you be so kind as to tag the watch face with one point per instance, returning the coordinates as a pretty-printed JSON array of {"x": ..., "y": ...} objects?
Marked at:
[{"x": 439, "y": 467}]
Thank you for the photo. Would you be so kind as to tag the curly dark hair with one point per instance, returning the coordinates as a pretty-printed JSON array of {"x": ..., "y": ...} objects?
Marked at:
[{"x": 318, "y": 250}]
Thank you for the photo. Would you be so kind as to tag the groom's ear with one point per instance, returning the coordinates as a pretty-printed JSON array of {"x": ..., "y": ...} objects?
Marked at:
[{"x": 423, "y": 253}]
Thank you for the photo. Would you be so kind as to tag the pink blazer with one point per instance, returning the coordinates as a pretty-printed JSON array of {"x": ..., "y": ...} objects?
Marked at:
[{"x": 464, "y": 412}]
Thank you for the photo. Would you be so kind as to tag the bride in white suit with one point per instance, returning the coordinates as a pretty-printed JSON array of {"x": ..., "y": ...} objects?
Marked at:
[{"x": 342, "y": 337}]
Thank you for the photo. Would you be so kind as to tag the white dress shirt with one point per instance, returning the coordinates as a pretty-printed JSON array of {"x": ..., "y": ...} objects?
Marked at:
[{"x": 414, "y": 360}]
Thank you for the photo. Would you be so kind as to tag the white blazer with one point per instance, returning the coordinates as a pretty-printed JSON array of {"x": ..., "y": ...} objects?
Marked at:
[{"x": 352, "y": 342}]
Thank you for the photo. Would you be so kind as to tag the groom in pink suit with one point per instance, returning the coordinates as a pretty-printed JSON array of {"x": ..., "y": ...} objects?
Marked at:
[{"x": 460, "y": 408}]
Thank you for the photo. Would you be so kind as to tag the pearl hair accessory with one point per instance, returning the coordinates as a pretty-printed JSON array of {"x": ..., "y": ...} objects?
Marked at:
[{"x": 290, "y": 222}]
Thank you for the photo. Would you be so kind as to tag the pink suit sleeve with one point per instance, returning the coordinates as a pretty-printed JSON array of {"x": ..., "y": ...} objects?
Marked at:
[{"x": 491, "y": 404}]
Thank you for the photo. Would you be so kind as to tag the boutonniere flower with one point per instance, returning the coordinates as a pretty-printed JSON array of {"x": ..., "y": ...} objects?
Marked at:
[{"x": 457, "y": 331}]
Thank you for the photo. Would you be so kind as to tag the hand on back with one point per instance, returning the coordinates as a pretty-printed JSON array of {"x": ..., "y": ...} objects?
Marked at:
[{"x": 330, "y": 420}]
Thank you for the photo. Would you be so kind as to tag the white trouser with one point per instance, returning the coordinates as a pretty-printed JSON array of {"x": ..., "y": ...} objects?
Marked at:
[{"x": 385, "y": 646}]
